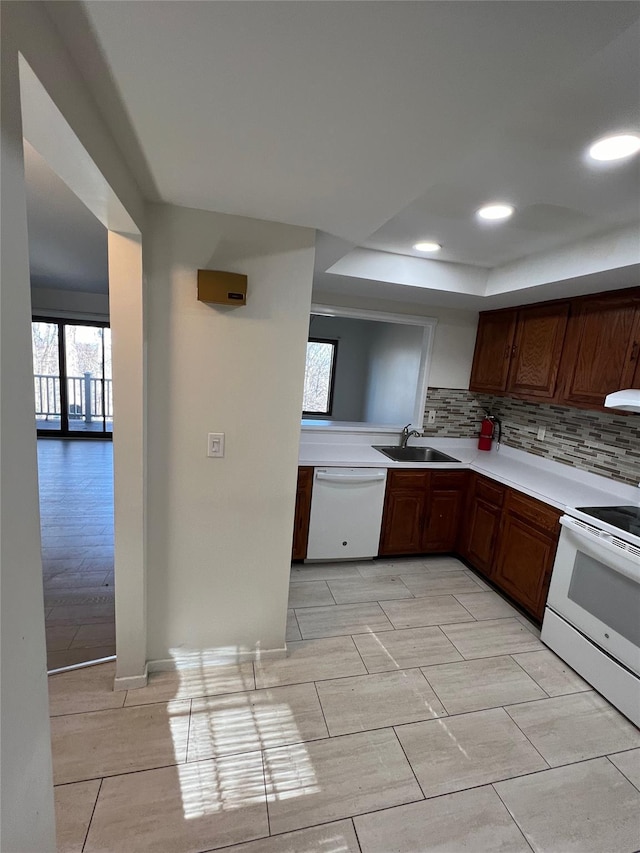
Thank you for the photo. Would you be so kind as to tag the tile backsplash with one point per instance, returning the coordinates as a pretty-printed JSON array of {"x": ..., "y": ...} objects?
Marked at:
[{"x": 599, "y": 442}]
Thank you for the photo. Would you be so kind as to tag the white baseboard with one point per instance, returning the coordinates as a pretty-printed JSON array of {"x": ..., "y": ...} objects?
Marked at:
[
  {"x": 213, "y": 657},
  {"x": 132, "y": 682}
]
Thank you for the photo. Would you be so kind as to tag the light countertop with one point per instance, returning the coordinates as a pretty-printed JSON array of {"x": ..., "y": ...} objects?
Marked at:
[{"x": 559, "y": 485}]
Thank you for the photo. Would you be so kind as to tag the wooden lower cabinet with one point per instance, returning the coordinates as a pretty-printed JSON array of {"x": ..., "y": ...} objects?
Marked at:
[
  {"x": 521, "y": 571},
  {"x": 403, "y": 514},
  {"x": 446, "y": 493},
  {"x": 302, "y": 513},
  {"x": 528, "y": 542},
  {"x": 511, "y": 539},
  {"x": 481, "y": 523},
  {"x": 421, "y": 511},
  {"x": 504, "y": 534}
]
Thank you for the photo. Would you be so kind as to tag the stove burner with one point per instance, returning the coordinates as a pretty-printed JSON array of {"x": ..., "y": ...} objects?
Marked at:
[{"x": 625, "y": 518}]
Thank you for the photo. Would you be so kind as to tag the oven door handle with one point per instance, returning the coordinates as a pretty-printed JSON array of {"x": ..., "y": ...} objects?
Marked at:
[{"x": 606, "y": 544}]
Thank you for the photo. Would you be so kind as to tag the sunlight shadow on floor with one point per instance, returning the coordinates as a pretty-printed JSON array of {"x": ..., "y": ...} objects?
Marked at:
[{"x": 237, "y": 723}]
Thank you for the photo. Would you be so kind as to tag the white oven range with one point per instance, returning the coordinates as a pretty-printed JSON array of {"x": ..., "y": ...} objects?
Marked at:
[{"x": 592, "y": 617}]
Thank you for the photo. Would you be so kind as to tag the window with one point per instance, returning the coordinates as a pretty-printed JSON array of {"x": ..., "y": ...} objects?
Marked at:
[
  {"x": 319, "y": 377},
  {"x": 72, "y": 377}
]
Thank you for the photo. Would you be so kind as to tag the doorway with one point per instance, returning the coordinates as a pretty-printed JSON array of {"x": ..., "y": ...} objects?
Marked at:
[
  {"x": 76, "y": 518},
  {"x": 73, "y": 384}
]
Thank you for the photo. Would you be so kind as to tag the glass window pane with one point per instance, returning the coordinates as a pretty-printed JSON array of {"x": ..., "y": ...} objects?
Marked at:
[
  {"x": 83, "y": 350},
  {"x": 108, "y": 380},
  {"x": 611, "y": 597},
  {"x": 46, "y": 375},
  {"x": 318, "y": 377}
]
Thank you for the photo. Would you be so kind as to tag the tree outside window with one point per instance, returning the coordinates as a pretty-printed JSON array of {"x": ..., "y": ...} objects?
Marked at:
[{"x": 319, "y": 376}]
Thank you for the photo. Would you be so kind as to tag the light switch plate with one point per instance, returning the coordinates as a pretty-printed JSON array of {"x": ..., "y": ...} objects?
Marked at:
[
  {"x": 215, "y": 444},
  {"x": 542, "y": 431}
]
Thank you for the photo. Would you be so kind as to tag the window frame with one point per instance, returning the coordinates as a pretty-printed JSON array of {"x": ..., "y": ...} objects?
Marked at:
[
  {"x": 332, "y": 378},
  {"x": 62, "y": 319}
]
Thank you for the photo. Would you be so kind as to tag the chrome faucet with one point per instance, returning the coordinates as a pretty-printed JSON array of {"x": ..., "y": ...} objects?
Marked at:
[{"x": 406, "y": 435}]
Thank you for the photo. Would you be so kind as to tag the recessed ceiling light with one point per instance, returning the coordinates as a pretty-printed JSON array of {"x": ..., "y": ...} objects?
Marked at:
[
  {"x": 427, "y": 246},
  {"x": 615, "y": 147},
  {"x": 495, "y": 211}
]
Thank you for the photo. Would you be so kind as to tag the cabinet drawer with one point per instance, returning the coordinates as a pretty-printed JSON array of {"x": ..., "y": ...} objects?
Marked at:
[
  {"x": 488, "y": 491},
  {"x": 538, "y": 514},
  {"x": 447, "y": 480},
  {"x": 417, "y": 479}
]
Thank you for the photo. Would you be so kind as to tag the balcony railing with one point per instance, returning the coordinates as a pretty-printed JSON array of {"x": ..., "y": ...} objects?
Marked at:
[{"x": 88, "y": 397}]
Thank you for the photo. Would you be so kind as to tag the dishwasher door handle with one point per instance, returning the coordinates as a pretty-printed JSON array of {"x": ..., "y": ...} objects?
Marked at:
[{"x": 351, "y": 478}]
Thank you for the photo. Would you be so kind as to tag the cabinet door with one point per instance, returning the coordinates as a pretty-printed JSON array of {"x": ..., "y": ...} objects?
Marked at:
[
  {"x": 444, "y": 506},
  {"x": 480, "y": 524},
  {"x": 442, "y": 523},
  {"x": 302, "y": 512},
  {"x": 634, "y": 353},
  {"x": 482, "y": 535},
  {"x": 402, "y": 521},
  {"x": 537, "y": 348},
  {"x": 636, "y": 376},
  {"x": 524, "y": 564},
  {"x": 492, "y": 354},
  {"x": 600, "y": 357}
]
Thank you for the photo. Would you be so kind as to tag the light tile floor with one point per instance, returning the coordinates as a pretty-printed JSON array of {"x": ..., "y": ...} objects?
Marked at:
[
  {"x": 383, "y": 730},
  {"x": 76, "y": 517}
]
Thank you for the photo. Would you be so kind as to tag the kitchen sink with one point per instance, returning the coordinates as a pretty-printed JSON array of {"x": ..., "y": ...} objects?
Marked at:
[{"x": 414, "y": 454}]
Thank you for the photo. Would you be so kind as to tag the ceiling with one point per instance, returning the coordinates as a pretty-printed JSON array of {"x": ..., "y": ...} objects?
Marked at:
[
  {"x": 67, "y": 244},
  {"x": 377, "y": 123}
]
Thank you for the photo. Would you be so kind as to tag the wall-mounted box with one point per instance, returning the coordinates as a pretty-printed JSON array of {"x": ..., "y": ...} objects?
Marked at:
[{"x": 222, "y": 288}]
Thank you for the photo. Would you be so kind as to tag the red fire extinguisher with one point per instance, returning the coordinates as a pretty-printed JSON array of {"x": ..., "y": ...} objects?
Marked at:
[{"x": 490, "y": 424}]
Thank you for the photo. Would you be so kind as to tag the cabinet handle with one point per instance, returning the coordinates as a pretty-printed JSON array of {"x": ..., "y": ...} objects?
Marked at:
[
  {"x": 634, "y": 351},
  {"x": 514, "y": 349},
  {"x": 507, "y": 351}
]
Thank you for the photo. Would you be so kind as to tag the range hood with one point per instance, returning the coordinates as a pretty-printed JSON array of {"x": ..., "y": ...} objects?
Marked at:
[{"x": 628, "y": 401}]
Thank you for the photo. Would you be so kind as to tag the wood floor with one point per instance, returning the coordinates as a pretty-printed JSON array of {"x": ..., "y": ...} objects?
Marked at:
[{"x": 76, "y": 510}]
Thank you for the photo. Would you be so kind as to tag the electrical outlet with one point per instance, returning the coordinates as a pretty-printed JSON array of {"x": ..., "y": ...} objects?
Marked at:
[
  {"x": 215, "y": 444},
  {"x": 542, "y": 431},
  {"x": 431, "y": 416}
]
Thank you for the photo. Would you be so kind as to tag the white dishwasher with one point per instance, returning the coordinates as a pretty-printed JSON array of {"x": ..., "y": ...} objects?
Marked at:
[{"x": 346, "y": 513}]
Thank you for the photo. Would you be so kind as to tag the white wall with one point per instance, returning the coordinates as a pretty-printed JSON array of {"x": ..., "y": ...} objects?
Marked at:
[
  {"x": 616, "y": 250},
  {"x": 27, "y": 820},
  {"x": 129, "y": 455},
  {"x": 354, "y": 341},
  {"x": 26, "y": 787},
  {"x": 71, "y": 304},
  {"x": 417, "y": 272},
  {"x": 454, "y": 340},
  {"x": 453, "y": 346},
  {"x": 219, "y": 530},
  {"x": 394, "y": 367}
]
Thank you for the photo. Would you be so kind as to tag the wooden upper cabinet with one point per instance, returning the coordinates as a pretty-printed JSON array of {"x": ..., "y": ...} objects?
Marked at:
[
  {"x": 601, "y": 354},
  {"x": 537, "y": 347},
  {"x": 635, "y": 356},
  {"x": 491, "y": 358},
  {"x": 634, "y": 353}
]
